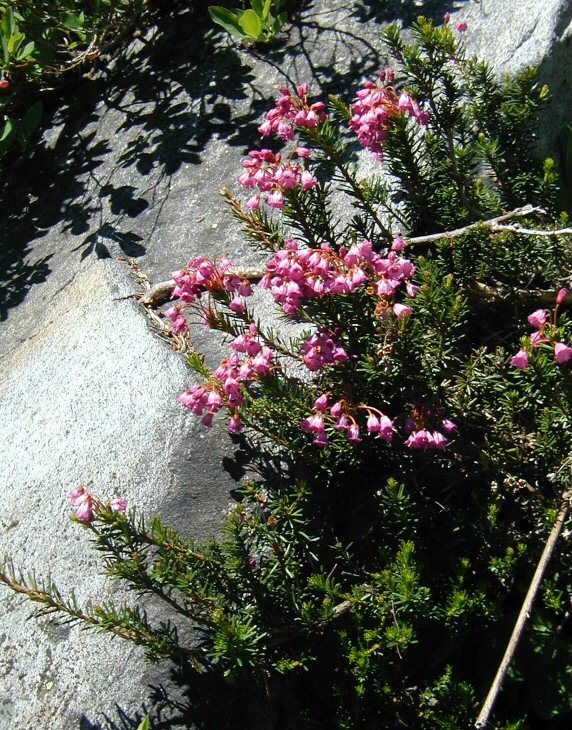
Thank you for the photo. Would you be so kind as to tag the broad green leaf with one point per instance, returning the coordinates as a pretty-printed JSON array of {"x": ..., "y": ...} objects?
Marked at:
[
  {"x": 8, "y": 129},
  {"x": 27, "y": 51},
  {"x": 145, "y": 724},
  {"x": 266, "y": 10},
  {"x": 15, "y": 41},
  {"x": 279, "y": 22},
  {"x": 7, "y": 135},
  {"x": 74, "y": 22},
  {"x": 258, "y": 7},
  {"x": 228, "y": 20},
  {"x": 9, "y": 22},
  {"x": 251, "y": 24},
  {"x": 29, "y": 123}
]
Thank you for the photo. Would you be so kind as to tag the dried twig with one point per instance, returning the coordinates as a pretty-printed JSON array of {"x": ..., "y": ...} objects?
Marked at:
[
  {"x": 162, "y": 292},
  {"x": 500, "y": 294},
  {"x": 493, "y": 223},
  {"x": 483, "y": 718}
]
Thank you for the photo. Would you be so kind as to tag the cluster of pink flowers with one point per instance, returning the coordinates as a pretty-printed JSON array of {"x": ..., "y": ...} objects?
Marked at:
[
  {"x": 540, "y": 320},
  {"x": 87, "y": 505},
  {"x": 272, "y": 175},
  {"x": 200, "y": 276},
  {"x": 226, "y": 387},
  {"x": 294, "y": 273},
  {"x": 292, "y": 111},
  {"x": 425, "y": 438},
  {"x": 461, "y": 25},
  {"x": 340, "y": 417},
  {"x": 376, "y": 107},
  {"x": 321, "y": 349}
]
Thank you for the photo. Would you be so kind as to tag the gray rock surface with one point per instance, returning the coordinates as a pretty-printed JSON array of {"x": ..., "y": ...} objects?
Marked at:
[
  {"x": 133, "y": 168},
  {"x": 513, "y": 34}
]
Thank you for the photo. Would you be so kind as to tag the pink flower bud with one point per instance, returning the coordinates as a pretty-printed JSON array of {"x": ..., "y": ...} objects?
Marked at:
[
  {"x": 520, "y": 360},
  {"x": 276, "y": 200},
  {"x": 446, "y": 18},
  {"x": 321, "y": 439},
  {"x": 321, "y": 403},
  {"x": 386, "y": 429},
  {"x": 235, "y": 425},
  {"x": 353, "y": 434},
  {"x": 308, "y": 180},
  {"x": 118, "y": 505},
  {"x": 437, "y": 440},
  {"x": 462, "y": 26},
  {"x": 253, "y": 203},
  {"x": 399, "y": 243},
  {"x": 77, "y": 495},
  {"x": 449, "y": 426},
  {"x": 537, "y": 338},
  {"x": 562, "y": 353},
  {"x": 85, "y": 512},
  {"x": 538, "y": 319},
  {"x": 337, "y": 409},
  {"x": 562, "y": 294},
  {"x": 373, "y": 424},
  {"x": 400, "y": 310},
  {"x": 237, "y": 305}
]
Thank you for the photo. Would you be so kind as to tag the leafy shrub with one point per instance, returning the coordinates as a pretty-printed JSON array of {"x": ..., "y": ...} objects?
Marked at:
[
  {"x": 421, "y": 426},
  {"x": 43, "y": 40},
  {"x": 259, "y": 23}
]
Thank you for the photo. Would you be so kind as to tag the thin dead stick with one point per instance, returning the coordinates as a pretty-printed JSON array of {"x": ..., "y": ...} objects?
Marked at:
[
  {"x": 483, "y": 718},
  {"x": 162, "y": 292},
  {"x": 490, "y": 223},
  {"x": 500, "y": 294},
  {"x": 533, "y": 231}
]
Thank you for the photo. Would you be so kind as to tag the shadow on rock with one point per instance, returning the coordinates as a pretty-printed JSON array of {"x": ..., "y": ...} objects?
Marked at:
[
  {"x": 191, "y": 701},
  {"x": 114, "y": 154},
  {"x": 150, "y": 113},
  {"x": 405, "y": 10}
]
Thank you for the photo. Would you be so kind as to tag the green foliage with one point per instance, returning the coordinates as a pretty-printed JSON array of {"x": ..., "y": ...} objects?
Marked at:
[
  {"x": 41, "y": 41},
  {"x": 260, "y": 23},
  {"x": 378, "y": 583}
]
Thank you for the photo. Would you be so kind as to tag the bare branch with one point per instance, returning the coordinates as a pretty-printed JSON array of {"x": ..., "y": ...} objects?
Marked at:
[{"x": 483, "y": 718}]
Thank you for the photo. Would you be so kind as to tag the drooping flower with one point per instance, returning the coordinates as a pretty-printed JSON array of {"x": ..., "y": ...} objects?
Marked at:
[
  {"x": 321, "y": 403},
  {"x": 320, "y": 350},
  {"x": 562, "y": 353},
  {"x": 85, "y": 504},
  {"x": 399, "y": 243},
  {"x": 235, "y": 425},
  {"x": 538, "y": 338},
  {"x": 449, "y": 426},
  {"x": 418, "y": 439},
  {"x": 538, "y": 319},
  {"x": 118, "y": 505},
  {"x": 374, "y": 110},
  {"x": 178, "y": 322},
  {"x": 520, "y": 360},
  {"x": 462, "y": 26},
  {"x": 291, "y": 111},
  {"x": 401, "y": 310},
  {"x": 353, "y": 434},
  {"x": 237, "y": 305}
]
